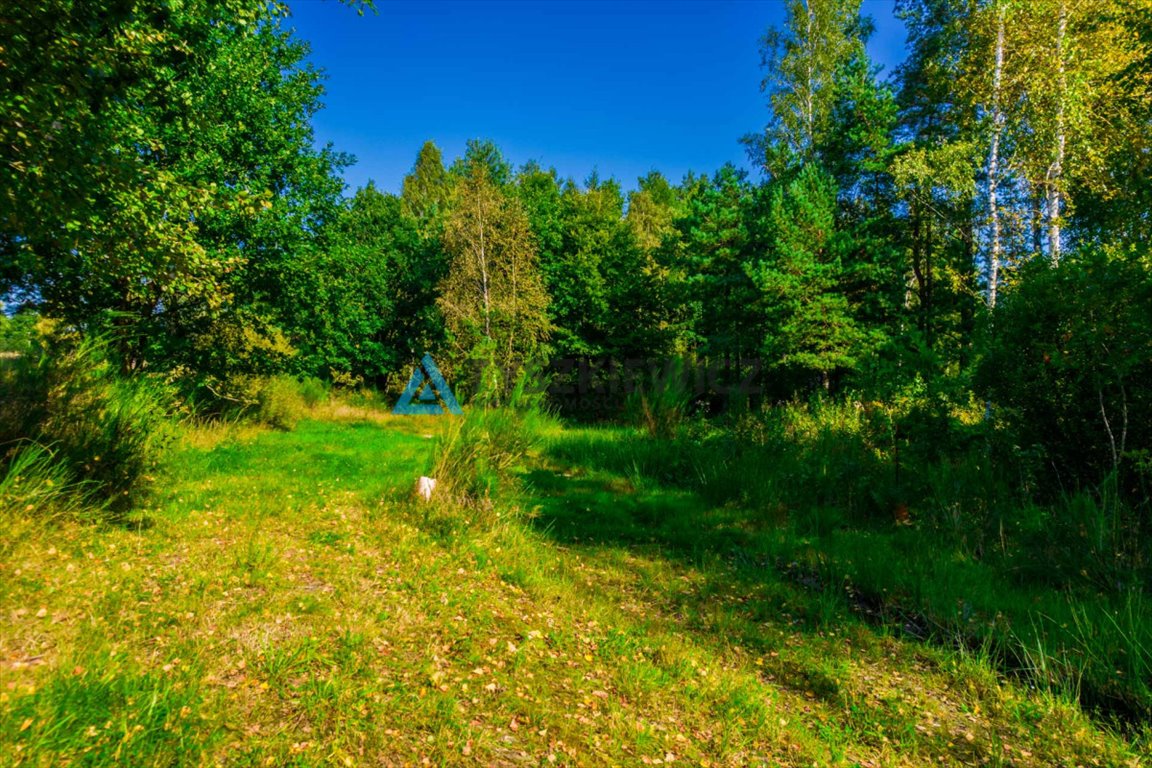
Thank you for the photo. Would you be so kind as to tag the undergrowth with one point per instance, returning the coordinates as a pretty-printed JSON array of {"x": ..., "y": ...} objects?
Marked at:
[{"x": 950, "y": 545}]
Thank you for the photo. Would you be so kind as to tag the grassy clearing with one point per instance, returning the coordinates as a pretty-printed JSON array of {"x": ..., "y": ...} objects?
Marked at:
[
  {"x": 285, "y": 602},
  {"x": 1048, "y": 593}
]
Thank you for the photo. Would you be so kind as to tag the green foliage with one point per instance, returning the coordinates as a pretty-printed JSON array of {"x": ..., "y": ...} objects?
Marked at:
[
  {"x": 18, "y": 333},
  {"x": 483, "y": 157},
  {"x": 280, "y": 402},
  {"x": 661, "y": 404},
  {"x": 493, "y": 297},
  {"x": 607, "y": 293},
  {"x": 987, "y": 484},
  {"x": 426, "y": 189},
  {"x": 815, "y": 327},
  {"x": 313, "y": 391},
  {"x": 479, "y": 455},
  {"x": 171, "y": 185},
  {"x": 803, "y": 62},
  {"x": 107, "y": 432},
  {"x": 714, "y": 243},
  {"x": 377, "y": 287},
  {"x": 1067, "y": 367}
]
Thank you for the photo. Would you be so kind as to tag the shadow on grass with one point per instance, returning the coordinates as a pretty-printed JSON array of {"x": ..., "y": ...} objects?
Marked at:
[
  {"x": 738, "y": 592},
  {"x": 815, "y": 566},
  {"x": 601, "y": 508},
  {"x": 733, "y": 593}
]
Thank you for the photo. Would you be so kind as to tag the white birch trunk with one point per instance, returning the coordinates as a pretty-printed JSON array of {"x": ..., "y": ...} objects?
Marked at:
[
  {"x": 484, "y": 278},
  {"x": 810, "y": 94},
  {"x": 1056, "y": 170},
  {"x": 994, "y": 160}
]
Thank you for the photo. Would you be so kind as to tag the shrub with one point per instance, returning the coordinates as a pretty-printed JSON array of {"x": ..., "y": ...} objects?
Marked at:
[
  {"x": 313, "y": 391},
  {"x": 479, "y": 453},
  {"x": 660, "y": 404},
  {"x": 106, "y": 431},
  {"x": 1067, "y": 367},
  {"x": 276, "y": 401},
  {"x": 280, "y": 402}
]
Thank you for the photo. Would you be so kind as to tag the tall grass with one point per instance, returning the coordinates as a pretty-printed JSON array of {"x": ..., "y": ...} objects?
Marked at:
[
  {"x": 477, "y": 456},
  {"x": 106, "y": 432},
  {"x": 944, "y": 540},
  {"x": 34, "y": 489},
  {"x": 34, "y": 482},
  {"x": 660, "y": 404}
]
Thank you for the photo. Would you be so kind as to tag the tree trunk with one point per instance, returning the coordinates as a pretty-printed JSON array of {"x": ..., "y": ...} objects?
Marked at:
[
  {"x": 1056, "y": 170},
  {"x": 810, "y": 95},
  {"x": 994, "y": 160},
  {"x": 484, "y": 281}
]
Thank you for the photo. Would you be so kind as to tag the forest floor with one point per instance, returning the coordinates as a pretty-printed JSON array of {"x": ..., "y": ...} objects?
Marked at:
[{"x": 284, "y": 601}]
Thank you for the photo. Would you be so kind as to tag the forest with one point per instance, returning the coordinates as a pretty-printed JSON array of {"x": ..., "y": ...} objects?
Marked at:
[{"x": 895, "y": 381}]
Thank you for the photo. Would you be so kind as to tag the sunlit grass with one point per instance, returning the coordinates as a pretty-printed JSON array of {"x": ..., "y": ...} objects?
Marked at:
[{"x": 289, "y": 603}]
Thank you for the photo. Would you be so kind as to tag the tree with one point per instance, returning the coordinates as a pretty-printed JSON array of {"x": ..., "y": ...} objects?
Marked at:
[
  {"x": 159, "y": 174},
  {"x": 426, "y": 188},
  {"x": 483, "y": 153},
  {"x": 935, "y": 170},
  {"x": 813, "y": 327},
  {"x": 652, "y": 209},
  {"x": 996, "y": 111},
  {"x": 251, "y": 137},
  {"x": 1083, "y": 104},
  {"x": 375, "y": 291},
  {"x": 539, "y": 192},
  {"x": 802, "y": 62},
  {"x": 493, "y": 297},
  {"x": 714, "y": 243}
]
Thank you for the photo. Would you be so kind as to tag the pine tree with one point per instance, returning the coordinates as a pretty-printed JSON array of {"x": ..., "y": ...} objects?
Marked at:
[
  {"x": 426, "y": 188},
  {"x": 812, "y": 327}
]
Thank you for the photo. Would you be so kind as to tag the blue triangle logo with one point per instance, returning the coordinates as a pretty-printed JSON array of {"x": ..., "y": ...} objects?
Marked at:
[{"x": 426, "y": 385}]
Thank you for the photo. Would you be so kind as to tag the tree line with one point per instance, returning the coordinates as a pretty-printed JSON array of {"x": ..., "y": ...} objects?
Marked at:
[{"x": 973, "y": 229}]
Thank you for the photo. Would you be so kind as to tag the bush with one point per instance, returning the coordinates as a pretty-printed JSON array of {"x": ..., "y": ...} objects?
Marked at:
[
  {"x": 479, "y": 453},
  {"x": 1067, "y": 369},
  {"x": 660, "y": 404},
  {"x": 106, "y": 431},
  {"x": 280, "y": 402},
  {"x": 313, "y": 391},
  {"x": 276, "y": 401}
]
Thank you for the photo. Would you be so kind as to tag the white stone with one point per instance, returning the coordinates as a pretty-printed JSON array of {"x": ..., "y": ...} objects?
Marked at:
[{"x": 424, "y": 488}]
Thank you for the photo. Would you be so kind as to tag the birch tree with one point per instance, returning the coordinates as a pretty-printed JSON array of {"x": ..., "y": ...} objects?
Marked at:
[
  {"x": 493, "y": 298},
  {"x": 1075, "y": 69},
  {"x": 997, "y": 120},
  {"x": 801, "y": 62}
]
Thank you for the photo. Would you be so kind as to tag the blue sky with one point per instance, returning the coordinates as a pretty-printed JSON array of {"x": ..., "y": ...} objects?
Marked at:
[{"x": 616, "y": 86}]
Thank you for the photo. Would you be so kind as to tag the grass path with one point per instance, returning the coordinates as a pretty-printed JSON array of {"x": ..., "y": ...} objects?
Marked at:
[{"x": 290, "y": 605}]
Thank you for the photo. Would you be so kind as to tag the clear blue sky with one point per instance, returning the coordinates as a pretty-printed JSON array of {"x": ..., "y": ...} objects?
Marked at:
[{"x": 619, "y": 86}]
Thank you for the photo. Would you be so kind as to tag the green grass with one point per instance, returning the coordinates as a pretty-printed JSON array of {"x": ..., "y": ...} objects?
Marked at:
[
  {"x": 1025, "y": 583},
  {"x": 284, "y": 601}
]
